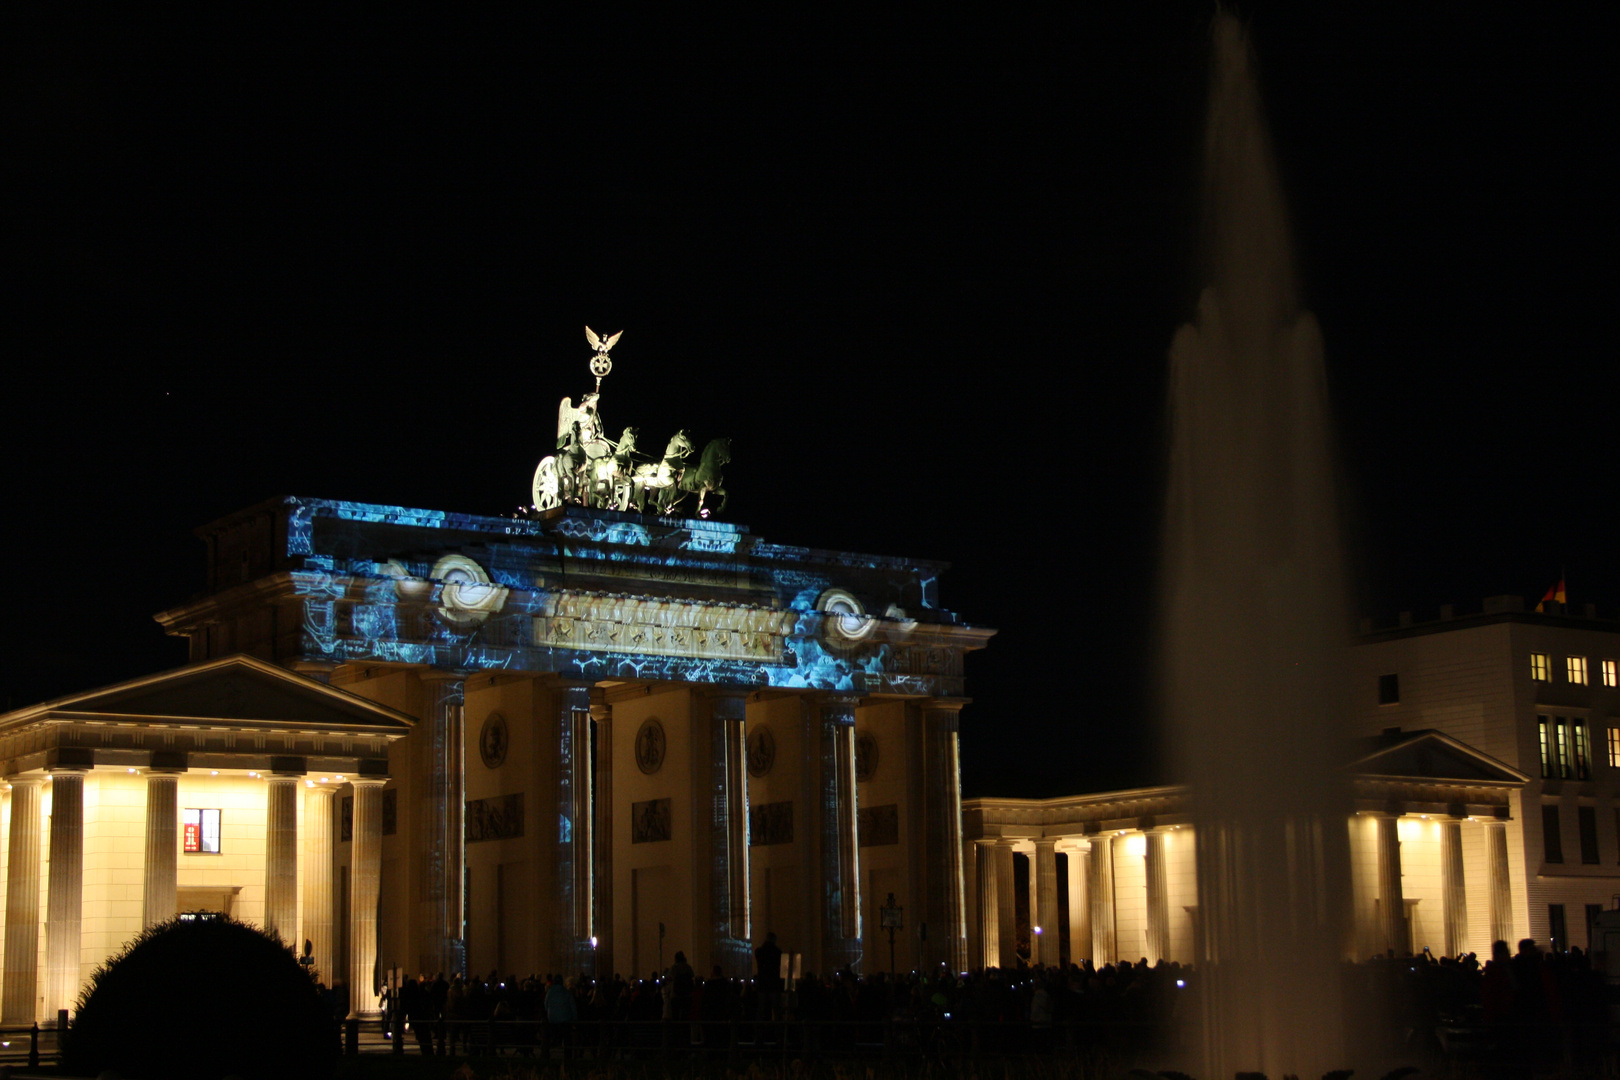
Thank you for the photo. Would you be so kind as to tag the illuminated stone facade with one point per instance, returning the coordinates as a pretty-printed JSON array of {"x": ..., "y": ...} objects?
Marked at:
[
  {"x": 201, "y": 789},
  {"x": 596, "y": 738},
  {"x": 1487, "y": 794}
]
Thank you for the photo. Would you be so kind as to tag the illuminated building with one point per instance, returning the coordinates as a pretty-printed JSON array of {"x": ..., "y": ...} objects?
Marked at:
[
  {"x": 1484, "y": 778},
  {"x": 446, "y": 742}
]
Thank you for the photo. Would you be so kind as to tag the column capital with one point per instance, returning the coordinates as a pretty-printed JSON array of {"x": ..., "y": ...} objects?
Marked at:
[
  {"x": 1069, "y": 844},
  {"x": 945, "y": 704},
  {"x": 367, "y": 781},
  {"x": 728, "y": 702},
  {"x": 326, "y": 787},
  {"x": 837, "y": 708},
  {"x": 67, "y": 770},
  {"x": 1047, "y": 842}
]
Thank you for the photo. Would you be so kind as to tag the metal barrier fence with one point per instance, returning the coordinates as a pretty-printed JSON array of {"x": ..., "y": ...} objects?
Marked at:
[{"x": 33, "y": 1045}]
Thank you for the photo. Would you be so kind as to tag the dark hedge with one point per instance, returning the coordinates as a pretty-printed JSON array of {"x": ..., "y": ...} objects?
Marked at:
[{"x": 199, "y": 1001}]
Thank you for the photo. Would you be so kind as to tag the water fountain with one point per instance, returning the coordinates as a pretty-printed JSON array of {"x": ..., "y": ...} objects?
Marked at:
[{"x": 1255, "y": 616}]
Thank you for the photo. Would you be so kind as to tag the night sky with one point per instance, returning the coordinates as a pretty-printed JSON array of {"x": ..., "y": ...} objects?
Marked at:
[{"x": 923, "y": 273}]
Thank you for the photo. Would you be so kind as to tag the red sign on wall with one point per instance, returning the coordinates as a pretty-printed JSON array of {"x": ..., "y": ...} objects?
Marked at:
[{"x": 193, "y": 837}]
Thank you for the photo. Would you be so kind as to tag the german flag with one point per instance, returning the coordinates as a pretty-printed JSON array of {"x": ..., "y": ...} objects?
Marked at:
[{"x": 1555, "y": 594}]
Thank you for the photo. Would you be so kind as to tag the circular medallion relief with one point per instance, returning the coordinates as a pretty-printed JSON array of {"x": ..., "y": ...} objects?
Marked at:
[
  {"x": 493, "y": 741},
  {"x": 650, "y": 746},
  {"x": 761, "y": 751},
  {"x": 866, "y": 756}
]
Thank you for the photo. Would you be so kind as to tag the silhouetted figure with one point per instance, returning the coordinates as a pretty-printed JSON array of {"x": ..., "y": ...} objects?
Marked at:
[{"x": 768, "y": 962}]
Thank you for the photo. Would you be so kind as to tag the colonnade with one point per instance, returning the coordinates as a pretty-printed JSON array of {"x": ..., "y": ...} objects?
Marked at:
[
  {"x": 1093, "y": 903},
  {"x": 1093, "y": 898},
  {"x": 1390, "y": 929},
  {"x": 20, "y": 992}
]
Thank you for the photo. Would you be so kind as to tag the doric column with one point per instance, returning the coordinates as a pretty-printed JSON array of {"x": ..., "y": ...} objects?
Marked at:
[
  {"x": 1452, "y": 894},
  {"x": 445, "y": 839},
  {"x": 161, "y": 860},
  {"x": 1006, "y": 907},
  {"x": 572, "y": 929},
  {"x": 1158, "y": 897},
  {"x": 1100, "y": 891},
  {"x": 1044, "y": 911},
  {"x": 17, "y": 1000},
  {"x": 942, "y": 799},
  {"x": 319, "y": 930},
  {"x": 840, "y": 847},
  {"x": 1391, "y": 903},
  {"x": 65, "y": 890},
  {"x": 281, "y": 858},
  {"x": 984, "y": 860},
  {"x": 365, "y": 881},
  {"x": 602, "y": 854},
  {"x": 1496, "y": 854},
  {"x": 1078, "y": 857}
]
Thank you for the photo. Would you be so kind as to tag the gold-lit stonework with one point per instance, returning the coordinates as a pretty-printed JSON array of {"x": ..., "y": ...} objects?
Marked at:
[{"x": 607, "y": 622}]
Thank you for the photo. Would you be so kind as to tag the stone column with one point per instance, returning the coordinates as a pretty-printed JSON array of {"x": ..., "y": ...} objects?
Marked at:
[
  {"x": 1079, "y": 856},
  {"x": 728, "y": 831},
  {"x": 1496, "y": 854},
  {"x": 162, "y": 846},
  {"x": 1453, "y": 895},
  {"x": 1044, "y": 911},
  {"x": 1391, "y": 903},
  {"x": 1100, "y": 891},
  {"x": 602, "y": 853},
  {"x": 21, "y": 987},
  {"x": 281, "y": 858},
  {"x": 1158, "y": 898},
  {"x": 1006, "y": 907},
  {"x": 942, "y": 800},
  {"x": 840, "y": 846},
  {"x": 444, "y": 844},
  {"x": 365, "y": 882},
  {"x": 571, "y": 925},
  {"x": 65, "y": 891},
  {"x": 318, "y": 895},
  {"x": 984, "y": 860}
]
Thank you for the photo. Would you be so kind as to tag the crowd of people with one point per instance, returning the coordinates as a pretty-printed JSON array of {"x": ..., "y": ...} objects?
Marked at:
[{"x": 1531, "y": 1005}]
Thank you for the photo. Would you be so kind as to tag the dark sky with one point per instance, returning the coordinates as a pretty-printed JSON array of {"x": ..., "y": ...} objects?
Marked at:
[{"x": 924, "y": 273}]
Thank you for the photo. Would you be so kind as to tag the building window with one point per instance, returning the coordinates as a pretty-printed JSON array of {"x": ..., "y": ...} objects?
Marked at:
[
  {"x": 1592, "y": 913},
  {"x": 1555, "y": 927},
  {"x": 1575, "y": 668},
  {"x": 1540, "y": 667},
  {"x": 1611, "y": 673},
  {"x": 1389, "y": 689},
  {"x": 1552, "y": 840},
  {"x": 1545, "y": 725},
  {"x": 1614, "y": 748},
  {"x": 1587, "y": 817},
  {"x": 1583, "y": 755},
  {"x": 201, "y": 829},
  {"x": 1561, "y": 731}
]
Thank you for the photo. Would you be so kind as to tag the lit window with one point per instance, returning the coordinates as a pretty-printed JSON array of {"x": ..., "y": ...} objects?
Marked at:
[
  {"x": 1561, "y": 729},
  {"x": 1611, "y": 677},
  {"x": 1583, "y": 769},
  {"x": 1576, "y": 667},
  {"x": 1614, "y": 748},
  {"x": 1546, "y": 746},
  {"x": 1540, "y": 667},
  {"x": 201, "y": 829}
]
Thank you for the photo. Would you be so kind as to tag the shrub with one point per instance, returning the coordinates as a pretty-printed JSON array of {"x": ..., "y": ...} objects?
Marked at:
[{"x": 200, "y": 1000}]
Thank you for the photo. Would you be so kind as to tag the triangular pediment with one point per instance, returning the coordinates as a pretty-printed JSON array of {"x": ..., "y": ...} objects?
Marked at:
[
  {"x": 234, "y": 690},
  {"x": 1431, "y": 755}
]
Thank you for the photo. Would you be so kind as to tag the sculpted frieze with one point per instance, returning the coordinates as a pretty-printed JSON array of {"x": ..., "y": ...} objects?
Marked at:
[{"x": 662, "y": 626}]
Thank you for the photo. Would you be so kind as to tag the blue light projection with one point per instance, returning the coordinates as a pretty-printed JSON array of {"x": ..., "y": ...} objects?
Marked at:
[{"x": 360, "y": 574}]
